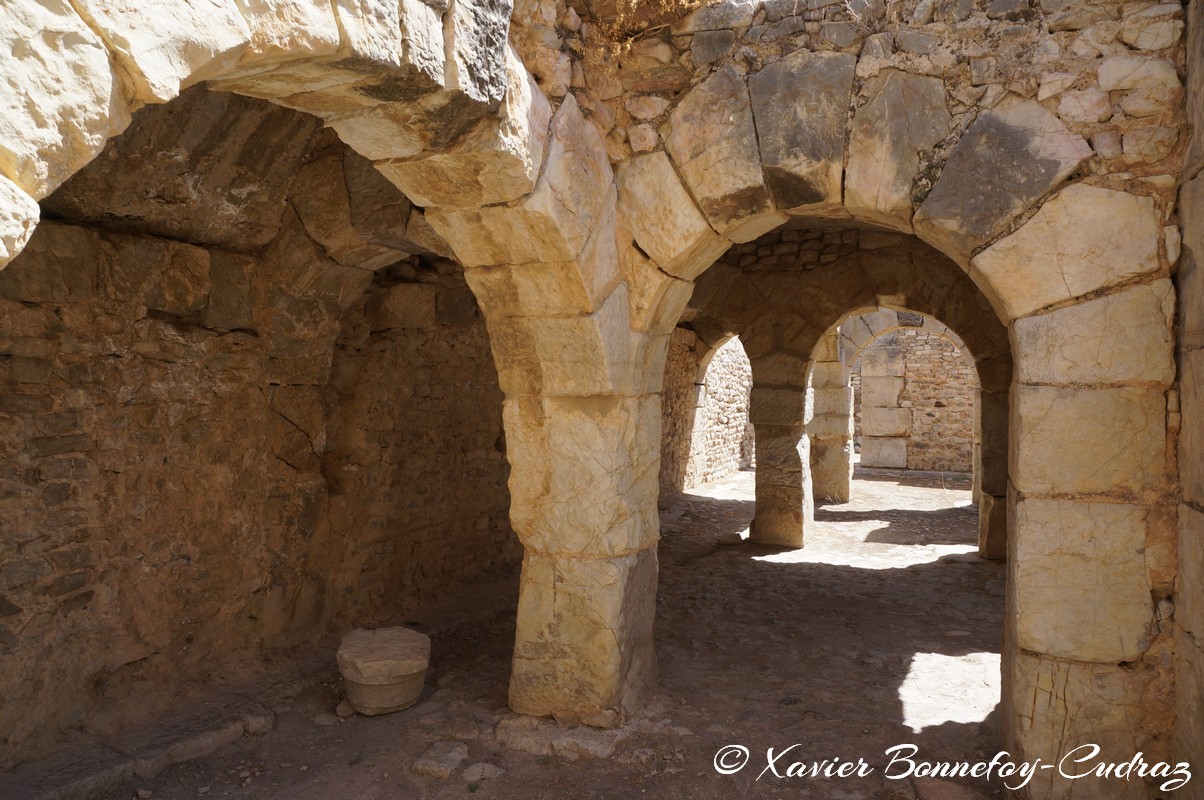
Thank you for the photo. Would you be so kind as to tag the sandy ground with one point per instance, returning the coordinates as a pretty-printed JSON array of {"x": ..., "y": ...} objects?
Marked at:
[{"x": 884, "y": 630}]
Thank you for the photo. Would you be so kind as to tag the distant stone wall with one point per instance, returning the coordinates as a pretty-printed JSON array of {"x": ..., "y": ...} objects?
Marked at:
[
  {"x": 238, "y": 410},
  {"x": 722, "y": 441},
  {"x": 921, "y": 414},
  {"x": 705, "y": 428}
]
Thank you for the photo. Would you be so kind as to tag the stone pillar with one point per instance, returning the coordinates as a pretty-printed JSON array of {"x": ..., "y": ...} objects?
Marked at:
[
  {"x": 1087, "y": 657},
  {"x": 884, "y": 425},
  {"x": 830, "y": 425},
  {"x": 991, "y": 467},
  {"x": 784, "y": 501},
  {"x": 584, "y": 490}
]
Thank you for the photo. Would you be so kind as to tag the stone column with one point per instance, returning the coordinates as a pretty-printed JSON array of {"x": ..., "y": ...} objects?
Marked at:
[
  {"x": 884, "y": 425},
  {"x": 830, "y": 425},
  {"x": 784, "y": 501}
]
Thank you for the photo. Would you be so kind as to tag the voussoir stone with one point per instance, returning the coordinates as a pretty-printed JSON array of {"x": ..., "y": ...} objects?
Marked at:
[
  {"x": 663, "y": 218},
  {"x": 1009, "y": 158},
  {"x": 904, "y": 115},
  {"x": 498, "y": 161},
  {"x": 1083, "y": 239},
  {"x": 800, "y": 105},
  {"x": 19, "y": 215},
  {"x": 165, "y": 46},
  {"x": 58, "y": 105},
  {"x": 713, "y": 142}
]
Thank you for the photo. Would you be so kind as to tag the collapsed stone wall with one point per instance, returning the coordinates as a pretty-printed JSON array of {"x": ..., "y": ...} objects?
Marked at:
[
  {"x": 237, "y": 379},
  {"x": 1189, "y": 588},
  {"x": 936, "y": 399}
]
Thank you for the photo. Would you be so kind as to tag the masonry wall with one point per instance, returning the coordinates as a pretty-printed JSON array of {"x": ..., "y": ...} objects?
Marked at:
[
  {"x": 1189, "y": 590},
  {"x": 706, "y": 433},
  {"x": 934, "y": 421},
  {"x": 236, "y": 413}
]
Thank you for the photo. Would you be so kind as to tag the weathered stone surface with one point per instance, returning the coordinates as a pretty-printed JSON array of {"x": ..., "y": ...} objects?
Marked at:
[
  {"x": 1009, "y": 158},
  {"x": 800, "y": 105},
  {"x": 498, "y": 161},
  {"x": 663, "y": 218},
  {"x": 1191, "y": 436},
  {"x": 713, "y": 142},
  {"x": 556, "y": 220},
  {"x": 383, "y": 655},
  {"x": 719, "y": 15},
  {"x": 212, "y": 168},
  {"x": 327, "y": 218},
  {"x": 1062, "y": 705},
  {"x": 904, "y": 115},
  {"x": 1138, "y": 72},
  {"x": 885, "y": 452},
  {"x": 1098, "y": 548},
  {"x": 563, "y": 503},
  {"x": 1088, "y": 236},
  {"x": 406, "y": 305},
  {"x": 584, "y": 642},
  {"x": 1081, "y": 440},
  {"x": 655, "y": 298},
  {"x": 992, "y": 527},
  {"x": 1089, "y": 105},
  {"x": 476, "y": 36},
  {"x": 441, "y": 760},
  {"x": 19, "y": 214},
  {"x": 1153, "y": 27},
  {"x": 1079, "y": 345},
  {"x": 164, "y": 47},
  {"x": 885, "y": 421},
  {"x": 290, "y": 28},
  {"x": 58, "y": 104},
  {"x": 1149, "y": 144},
  {"x": 881, "y": 391}
]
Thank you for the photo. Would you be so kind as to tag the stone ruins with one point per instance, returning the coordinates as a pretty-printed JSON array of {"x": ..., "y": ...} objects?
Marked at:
[{"x": 311, "y": 310}]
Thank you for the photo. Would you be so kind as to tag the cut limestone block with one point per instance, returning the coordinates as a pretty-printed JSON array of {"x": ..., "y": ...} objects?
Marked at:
[{"x": 384, "y": 669}]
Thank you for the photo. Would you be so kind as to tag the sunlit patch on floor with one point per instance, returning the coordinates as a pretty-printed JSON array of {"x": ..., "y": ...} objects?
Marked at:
[{"x": 940, "y": 689}]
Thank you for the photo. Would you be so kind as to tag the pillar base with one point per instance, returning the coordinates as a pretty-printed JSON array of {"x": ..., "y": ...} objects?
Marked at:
[{"x": 583, "y": 649}]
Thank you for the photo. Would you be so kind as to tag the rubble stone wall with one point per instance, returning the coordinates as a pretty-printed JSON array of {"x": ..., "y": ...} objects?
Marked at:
[
  {"x": 1189, "y": 589},
  {"x": 938, "y": 395},
  {"x": 707, "y": 435},
  {"x": 215, "y": 438}
]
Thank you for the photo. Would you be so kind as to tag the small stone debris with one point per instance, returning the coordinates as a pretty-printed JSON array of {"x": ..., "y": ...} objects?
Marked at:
[
  {"x": 441, "y": 760},
  {"x": 144, "y": 794},
  {"x": 482, "y": 771},
  {"x": 345, "y": 709},
  {"x": 730, "y": 538},
  {"x": 326, "y": 718}
]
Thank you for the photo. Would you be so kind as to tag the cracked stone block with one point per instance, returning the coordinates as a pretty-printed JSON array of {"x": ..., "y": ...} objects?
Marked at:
[{"x": 1009, "y": 158}]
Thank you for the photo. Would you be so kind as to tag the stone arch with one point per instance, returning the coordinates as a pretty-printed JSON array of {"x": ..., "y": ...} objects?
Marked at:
[
  {"x": 830, "y": 428},
  {"x": 582, "y": 284}
]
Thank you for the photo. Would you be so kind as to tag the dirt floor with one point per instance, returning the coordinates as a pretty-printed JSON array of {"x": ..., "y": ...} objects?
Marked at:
[{"x": 884, "y": 630}]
